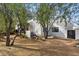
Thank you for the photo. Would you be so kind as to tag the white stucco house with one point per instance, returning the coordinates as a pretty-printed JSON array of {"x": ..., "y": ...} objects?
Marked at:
[{"x": 57, "y": 29}]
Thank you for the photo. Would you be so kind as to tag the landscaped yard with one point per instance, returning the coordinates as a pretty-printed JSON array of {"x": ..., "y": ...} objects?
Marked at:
[{"x": 51, "y": 47}]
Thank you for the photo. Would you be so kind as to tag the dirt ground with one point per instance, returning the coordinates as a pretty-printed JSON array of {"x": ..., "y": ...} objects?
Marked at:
[{"x": 50, "y": 47}]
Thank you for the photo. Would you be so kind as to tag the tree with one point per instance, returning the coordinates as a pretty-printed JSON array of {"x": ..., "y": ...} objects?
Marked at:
[
  {"x": 65, "y": 13},
  {"x": 43, "y": 16},
  {"x": 55, "y": 12},
  {"x": 8, "y": 19},
  {"x": 20, "y": 12},
  {"x": 11, "y": 12}
]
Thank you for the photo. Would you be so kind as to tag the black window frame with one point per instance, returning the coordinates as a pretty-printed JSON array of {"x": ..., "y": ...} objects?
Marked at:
[{"x": 55, "y": 29}]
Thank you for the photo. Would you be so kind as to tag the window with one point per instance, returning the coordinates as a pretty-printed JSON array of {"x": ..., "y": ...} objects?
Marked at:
[{"x": 55, "y": 29}]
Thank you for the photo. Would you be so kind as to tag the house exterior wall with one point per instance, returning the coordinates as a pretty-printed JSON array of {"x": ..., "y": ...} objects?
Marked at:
[
  {"x": 37, "y": 28},
  {"x": 61, "y": 33},
  {"x": 62, "y": 28},
  {"x": 77, "y": 34}
]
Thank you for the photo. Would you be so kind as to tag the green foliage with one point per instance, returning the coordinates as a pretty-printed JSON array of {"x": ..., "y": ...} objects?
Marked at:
[
  {"x": 44, "y": 13},
  {"x": 2, "y": 24},
  {"x": 15, "y": 11}
]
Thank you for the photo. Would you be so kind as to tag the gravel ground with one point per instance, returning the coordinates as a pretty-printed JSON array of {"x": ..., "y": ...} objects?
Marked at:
[{"x": 50, "y": 47}]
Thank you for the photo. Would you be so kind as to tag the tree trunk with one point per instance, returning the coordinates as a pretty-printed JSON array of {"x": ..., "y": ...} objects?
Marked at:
[
  {"x": 45, "y": 30},
  {"x": 12, "y": 43},
  {"x": 8, "y": 30},
  {"x": 8, "y": 39},
  {"x": 8, "y": 34}
]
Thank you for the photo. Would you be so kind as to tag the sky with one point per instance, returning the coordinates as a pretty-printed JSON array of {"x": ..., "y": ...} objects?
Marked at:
[{"x": 74, "y": 8}]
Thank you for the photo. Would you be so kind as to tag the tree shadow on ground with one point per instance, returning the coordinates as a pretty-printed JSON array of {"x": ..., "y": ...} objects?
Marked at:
[{"x": 26, "y": 48}]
